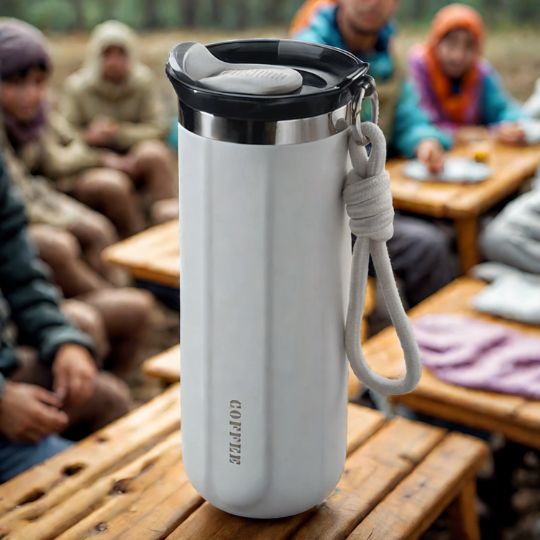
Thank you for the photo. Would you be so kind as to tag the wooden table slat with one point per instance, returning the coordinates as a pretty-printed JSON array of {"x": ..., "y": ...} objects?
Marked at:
[
  {"x": 164, "y": 366},
  {"x": 152, "y": 255},
  {"x": 51, "y": 483},
  {"x": 145, "y": 493},
  {"x": 371, "y": 471},
  {"x": 110, "y": 494},
  {"x": 429, "y": 491}
]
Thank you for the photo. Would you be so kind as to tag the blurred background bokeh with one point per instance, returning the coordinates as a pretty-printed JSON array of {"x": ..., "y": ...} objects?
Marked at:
[{"x": 514, "y": 29}]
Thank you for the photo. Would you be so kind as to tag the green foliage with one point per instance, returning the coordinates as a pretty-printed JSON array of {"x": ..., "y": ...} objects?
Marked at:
[
  {"x": 51, "y": 14},
  {"x": 67, "y": 15}
]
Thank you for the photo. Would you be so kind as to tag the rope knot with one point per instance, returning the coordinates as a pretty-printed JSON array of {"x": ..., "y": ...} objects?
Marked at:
[
  {"x": 367, "y": 195},
  {"x": 368, "y": 202}
]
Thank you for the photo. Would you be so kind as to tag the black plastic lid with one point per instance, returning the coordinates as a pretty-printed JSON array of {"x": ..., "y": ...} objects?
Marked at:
[{"x": 331, "y": 79}]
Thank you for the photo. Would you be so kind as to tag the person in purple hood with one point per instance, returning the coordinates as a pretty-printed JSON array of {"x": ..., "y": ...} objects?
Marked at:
[{"x": 41, "y": 152}]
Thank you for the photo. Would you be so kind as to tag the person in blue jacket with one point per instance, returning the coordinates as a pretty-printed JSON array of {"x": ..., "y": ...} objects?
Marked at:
[{"x": 420, "y": 253}]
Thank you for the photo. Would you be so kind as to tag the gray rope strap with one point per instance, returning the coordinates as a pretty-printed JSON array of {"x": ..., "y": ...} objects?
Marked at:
[{"x": 368, "y": 201}]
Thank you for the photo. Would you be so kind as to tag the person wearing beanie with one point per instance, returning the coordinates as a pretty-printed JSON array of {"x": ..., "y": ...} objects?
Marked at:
[
  {"x": 68, "y": 235},
  {"x": 457, "y": 87},
  {"x": 113, "y": 103},
  {"x": 44, "y": 141}
]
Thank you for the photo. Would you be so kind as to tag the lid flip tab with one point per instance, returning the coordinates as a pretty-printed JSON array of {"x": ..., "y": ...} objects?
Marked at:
[{"x": 258, "y": 79}]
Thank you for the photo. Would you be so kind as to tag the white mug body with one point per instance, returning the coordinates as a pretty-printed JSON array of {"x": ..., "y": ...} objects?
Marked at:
[{"x": 265, "y": 262}]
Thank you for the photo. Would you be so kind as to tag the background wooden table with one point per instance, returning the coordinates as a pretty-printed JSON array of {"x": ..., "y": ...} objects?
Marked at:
[
  {"x": 464, "y": 203},
  {"x": 515, "y": 417},
  {"x": 128, "y": 481},
  {"x": 152, "y": 255}
]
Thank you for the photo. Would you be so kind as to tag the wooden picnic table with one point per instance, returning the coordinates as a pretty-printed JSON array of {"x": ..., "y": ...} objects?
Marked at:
[
  {"x": 152, "y": 255},
  {"x": 465, "y": 203},
  {"x": 128, "y": 481},
  {"x": 515, "y": 417}
]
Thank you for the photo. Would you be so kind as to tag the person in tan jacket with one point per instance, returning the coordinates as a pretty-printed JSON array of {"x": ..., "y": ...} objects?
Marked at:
[
  {"x": 68, "y": 235},
  {"x": 112, "y": 102}
]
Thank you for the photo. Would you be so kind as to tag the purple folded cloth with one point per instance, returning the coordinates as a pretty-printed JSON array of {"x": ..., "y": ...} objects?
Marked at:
[{"x": 467, "y": 352}]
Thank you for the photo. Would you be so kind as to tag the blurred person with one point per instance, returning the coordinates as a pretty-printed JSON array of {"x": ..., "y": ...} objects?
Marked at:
[
  {"x": 47, "y": 146},
  {"x": 49, "y": 380},
  {"x": 66, "y": 233},
  {"x": 121, "y": 313},
  {"x": 459, "y": 89},
  {"x": 113, "y": 103},
  {"x": 419, "y": 250},
  {"x": 532, "y": 105}
]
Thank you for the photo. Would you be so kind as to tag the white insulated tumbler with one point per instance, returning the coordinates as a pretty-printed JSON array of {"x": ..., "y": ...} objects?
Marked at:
[{"x": 265, "y": 271}]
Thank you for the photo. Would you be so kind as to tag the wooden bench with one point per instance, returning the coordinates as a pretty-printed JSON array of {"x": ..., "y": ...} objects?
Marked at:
[
  {"x": 515, "y": 417},
  {"x": 128, "y": 481},
  {"x": 166, "y": 365},
  {"x": 465, "y": 203},
  {"x": 152, "y": 255}
]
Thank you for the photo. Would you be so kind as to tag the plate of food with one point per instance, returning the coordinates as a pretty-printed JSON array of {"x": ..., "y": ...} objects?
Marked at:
[{"x": 456, "y": 170}]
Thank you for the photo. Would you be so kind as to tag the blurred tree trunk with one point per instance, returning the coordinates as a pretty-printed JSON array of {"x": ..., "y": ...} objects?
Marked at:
[
  {"x": 78, "y": 8},
  {"x": 189, "y": 12},
  {"x": 421, "y": 8},
  {"x": 108, "y": 10},
  {"x": 12, "y": 8},
  {"x": 274, "y": 12},
  {"x": 151, "y": 15},
  {"x": 217, "y": 12},
  {"x": 242, "y": 13}
]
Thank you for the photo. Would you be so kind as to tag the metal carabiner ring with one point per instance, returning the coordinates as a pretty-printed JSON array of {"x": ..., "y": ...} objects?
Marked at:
[{"x": 373, "y": 97}]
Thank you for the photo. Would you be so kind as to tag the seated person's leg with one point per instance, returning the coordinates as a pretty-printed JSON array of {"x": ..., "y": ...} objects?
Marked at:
[
  {"x": 155, "y": 169},
  {"x": 88, "y": 319},
  {"x": 421, "y": 257},
  {"x": 61, "y": 252},
  {"x": 110, "y": 401},
  {"x": 94, "y": 233},
  {"x": 163, "y": 211},
  {"x": 126, "y": 314},
  {"x": 111, "y": 193}
]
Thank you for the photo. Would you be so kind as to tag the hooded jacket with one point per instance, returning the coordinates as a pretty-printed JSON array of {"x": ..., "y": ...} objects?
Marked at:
[{"x": 134, "y": 103}]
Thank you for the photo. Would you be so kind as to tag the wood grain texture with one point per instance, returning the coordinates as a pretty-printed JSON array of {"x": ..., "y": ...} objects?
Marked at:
[
  {"x": 29, "y": 496},
  {"x": 513, "y": 416},
  {"x": 152, "y": 255},
  {"x": 144, "y": 491},
  {"x": 164, "y": 366},
  {"x": 427, "y": 492}
]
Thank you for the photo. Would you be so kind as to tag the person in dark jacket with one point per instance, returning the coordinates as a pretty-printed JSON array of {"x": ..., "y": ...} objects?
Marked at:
[{"x": 49, "y": 381}]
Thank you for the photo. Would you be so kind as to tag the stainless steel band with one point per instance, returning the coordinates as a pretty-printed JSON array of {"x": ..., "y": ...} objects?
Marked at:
[{"x": 296, "y": 131}]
